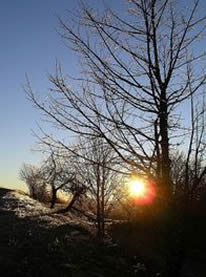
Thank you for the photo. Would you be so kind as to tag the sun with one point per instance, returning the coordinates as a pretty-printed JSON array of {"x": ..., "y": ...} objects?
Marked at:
[
  {"x": 141, "y": 191},
  {"x": 137, "y": 187}
]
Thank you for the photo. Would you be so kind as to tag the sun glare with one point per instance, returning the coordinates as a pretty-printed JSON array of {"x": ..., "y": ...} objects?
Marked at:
[
  {"x": 136, "y": 188},
  {"x": 141, "y": 191}
]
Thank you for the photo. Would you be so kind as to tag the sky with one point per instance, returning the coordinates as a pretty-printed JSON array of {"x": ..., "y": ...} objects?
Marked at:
[{"x": 29, "y": 44}]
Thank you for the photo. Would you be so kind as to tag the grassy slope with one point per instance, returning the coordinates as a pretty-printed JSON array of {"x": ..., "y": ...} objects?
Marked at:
[
  {"x": 32, "y": 247},
  {"x": 34, "y": 242}
]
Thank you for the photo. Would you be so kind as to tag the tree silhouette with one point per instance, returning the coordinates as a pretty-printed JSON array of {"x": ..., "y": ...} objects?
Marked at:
[{"x": 137, "y": 70}]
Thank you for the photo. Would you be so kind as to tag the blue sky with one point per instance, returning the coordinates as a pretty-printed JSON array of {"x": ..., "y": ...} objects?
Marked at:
[{"x": 29, "y": 44}]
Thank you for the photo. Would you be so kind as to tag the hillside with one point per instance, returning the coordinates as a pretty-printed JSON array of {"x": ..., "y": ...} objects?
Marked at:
[{"x": 36, "y": 242}]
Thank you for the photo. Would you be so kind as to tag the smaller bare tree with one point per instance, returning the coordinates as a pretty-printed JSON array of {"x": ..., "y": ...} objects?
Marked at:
[
  {"x": 99, "y": 171},
  {"x": 34, "y": 178},
  {"x": 188, "y": 171},
  {"x": 58, "y": 175}
]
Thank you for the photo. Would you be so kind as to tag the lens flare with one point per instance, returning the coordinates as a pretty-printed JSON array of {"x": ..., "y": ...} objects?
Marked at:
[{"x": 141, "y": 192}]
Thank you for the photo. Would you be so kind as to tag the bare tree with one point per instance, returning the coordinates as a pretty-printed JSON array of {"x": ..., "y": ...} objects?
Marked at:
[
  {"x": 56, "y": 172},
  {"x": 188, "y": 175},
  {"x": 100, "y": 170},
  {"x": 35, "y": 181},
  {"x": 195, "y": 171},
  {"x": 189, "y": 168},
  {"x": 66, "y": 173},
  {"x": 137, "y": 69},
  {"x": 59, "y": 175}
]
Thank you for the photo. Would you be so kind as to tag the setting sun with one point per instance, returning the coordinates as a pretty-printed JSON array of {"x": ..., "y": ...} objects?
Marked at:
[
  {"x": 136, "y": 187},
  {"x": 141, "y": 191}
]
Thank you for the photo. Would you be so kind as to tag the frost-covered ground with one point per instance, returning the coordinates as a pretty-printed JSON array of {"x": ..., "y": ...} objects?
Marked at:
[
  {"x": 25, "y": 207},
  {"x": 22, "y": 204},
  {"x": 35, "y": 241}
]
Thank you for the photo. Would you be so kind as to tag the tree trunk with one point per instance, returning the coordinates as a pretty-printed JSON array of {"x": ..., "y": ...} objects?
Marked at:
[
  {"x": 102, "y": 207},
  {"x": 98, "y": 217},
  {"x": 71, "y": 203},
  {"x": 164, "y": 144},
  {"x": 54, "y": 197}
]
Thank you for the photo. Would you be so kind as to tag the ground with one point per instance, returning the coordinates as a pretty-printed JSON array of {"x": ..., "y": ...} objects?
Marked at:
[{"x": 36, "y": 242}]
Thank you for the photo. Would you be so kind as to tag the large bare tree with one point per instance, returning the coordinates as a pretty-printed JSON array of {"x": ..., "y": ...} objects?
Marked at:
[{"x": 138, "y": 69}]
